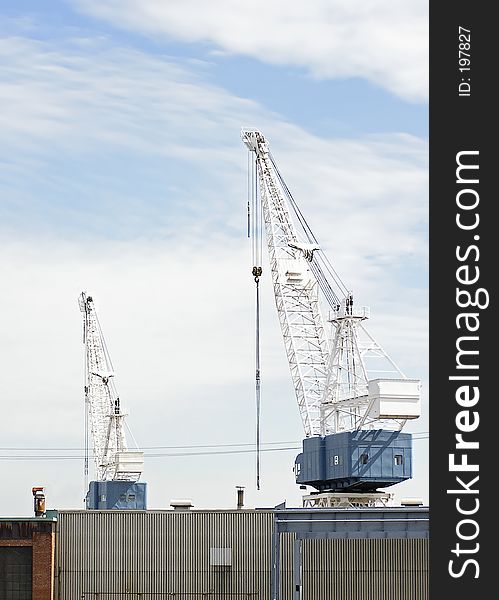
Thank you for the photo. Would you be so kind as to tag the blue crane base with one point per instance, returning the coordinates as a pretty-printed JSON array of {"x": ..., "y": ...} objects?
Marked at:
[
  {"x": 355, "y": 461},
  {"x": 116, "y": 495}
]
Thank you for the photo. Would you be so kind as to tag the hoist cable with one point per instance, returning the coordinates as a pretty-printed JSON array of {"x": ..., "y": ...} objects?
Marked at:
[
  {"x": 255, "y": 229},
  {"x": 258, "y": 220},
  {"x": 257, "y": 382},
  {"x": 254, "y": 211},
  {"x": 327, "y": 290},
  {"x": 308, "y": 231},
  {"x": 306, "y": 228},
  {"x": 249, "y": 195},
  {"x": 257, "y": 271},
  {"x": 260, "y": 228},
  {"x": 331, "y": 270}
]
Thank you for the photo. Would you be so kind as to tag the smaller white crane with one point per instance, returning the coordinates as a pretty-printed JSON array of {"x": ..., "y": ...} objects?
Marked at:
[{"x": 103, "y": 413}]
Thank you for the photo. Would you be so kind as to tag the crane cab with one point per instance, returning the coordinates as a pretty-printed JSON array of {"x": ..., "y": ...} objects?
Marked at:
[
  {"x": 357, "y": 461},
  {"x": 116, "y": 495}
]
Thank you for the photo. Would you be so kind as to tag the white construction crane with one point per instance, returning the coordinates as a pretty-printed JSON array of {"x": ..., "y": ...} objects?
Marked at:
[
  {"x": 343, "y": 379},
  {"x": 103, "y": 414}
]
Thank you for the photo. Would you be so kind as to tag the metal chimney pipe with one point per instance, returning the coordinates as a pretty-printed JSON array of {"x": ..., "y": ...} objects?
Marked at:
[
  {"x": 39, "y": 501},
  {"x": 240, "y": 496}
]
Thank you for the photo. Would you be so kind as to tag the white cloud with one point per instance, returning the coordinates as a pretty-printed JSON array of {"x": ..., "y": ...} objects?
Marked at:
[
  {"x": 382, "y": 41},
  {"x": 175, "y": 295},
  {"x": 88, "y": 102}
]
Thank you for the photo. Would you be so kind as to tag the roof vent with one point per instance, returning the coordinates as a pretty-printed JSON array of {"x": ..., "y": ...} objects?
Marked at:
[
  {"x": 240, "y": 497},
  {"x": 39, "y": 500},
  {"x": 181, "y": 505},
  {"x": 411, "y": 502}
]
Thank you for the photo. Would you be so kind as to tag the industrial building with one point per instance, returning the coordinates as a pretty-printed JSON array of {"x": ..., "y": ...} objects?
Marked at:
[
  {"x": 344, "y": 543},
  {"x": 187, "y": 554}
]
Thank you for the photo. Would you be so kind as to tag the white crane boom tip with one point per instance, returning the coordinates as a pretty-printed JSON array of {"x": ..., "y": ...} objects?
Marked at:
[{"x": 253, "y": 139}]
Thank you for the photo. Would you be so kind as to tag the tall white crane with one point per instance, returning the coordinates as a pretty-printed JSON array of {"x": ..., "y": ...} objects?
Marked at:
[
  {"x": 104, "y": 416},
  {"x": 343, "y": 379}
]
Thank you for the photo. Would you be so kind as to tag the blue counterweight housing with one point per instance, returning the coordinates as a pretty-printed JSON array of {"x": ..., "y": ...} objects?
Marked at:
[
  {"x": 116, "y": 495},
  {"x": 359, "y": 461}
]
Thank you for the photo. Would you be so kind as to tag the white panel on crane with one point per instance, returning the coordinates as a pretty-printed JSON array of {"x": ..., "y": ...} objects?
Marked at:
[
  {"x": 294, "y": 271},
  {"x": 129, "y": 462},
  {"x": 395, "y": 398}
]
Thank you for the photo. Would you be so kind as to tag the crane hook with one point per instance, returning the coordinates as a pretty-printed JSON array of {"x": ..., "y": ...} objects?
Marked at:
[{"x": 257, "y": 273}]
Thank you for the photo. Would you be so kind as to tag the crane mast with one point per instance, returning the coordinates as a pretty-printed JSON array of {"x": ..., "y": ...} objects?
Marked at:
[
  {"x": 296, "y": 293},
  {"x": 105, "y": 419},
  {"x": 343, "y": 379}
]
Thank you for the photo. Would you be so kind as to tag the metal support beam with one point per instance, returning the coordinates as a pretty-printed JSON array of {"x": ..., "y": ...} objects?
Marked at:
[
  {"x": 275, "y": 577},
  {"x": 297, "y": 569}
]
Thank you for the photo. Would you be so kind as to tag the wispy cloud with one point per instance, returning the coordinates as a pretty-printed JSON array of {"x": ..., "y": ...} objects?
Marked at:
[
  {"x": 382, "y": 41},
  {"x": 123, "y": 173},
  {"x": 108, "y": 127}
]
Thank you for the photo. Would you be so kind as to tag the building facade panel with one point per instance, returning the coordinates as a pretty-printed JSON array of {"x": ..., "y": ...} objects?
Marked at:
[
  {"x": 164, "y": 552},
  {"x": 189, "y": 555},
  {"x": 377, "y": 569}
]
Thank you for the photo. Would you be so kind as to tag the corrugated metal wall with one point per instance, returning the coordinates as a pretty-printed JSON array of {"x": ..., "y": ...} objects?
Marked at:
[
  {"x": 166, "y": 554},
  {"x": 160, "y": 553},
  {"x": 365, "y": 569}
]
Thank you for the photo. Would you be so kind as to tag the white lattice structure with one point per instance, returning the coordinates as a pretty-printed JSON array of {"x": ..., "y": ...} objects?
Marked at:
[
  {"x": 296, "y": 293},
  {"x": 104, "y": 417},
  {"x": 332, "y": 362}
]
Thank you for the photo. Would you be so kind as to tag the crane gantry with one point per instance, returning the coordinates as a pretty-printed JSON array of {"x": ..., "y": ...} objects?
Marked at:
[{"x": 349, "y": 391}]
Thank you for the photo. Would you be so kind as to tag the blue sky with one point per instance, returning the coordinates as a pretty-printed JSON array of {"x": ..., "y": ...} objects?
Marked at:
[
  {"x": 122, "y": 173},
  {"x": 352, "y": 105}
]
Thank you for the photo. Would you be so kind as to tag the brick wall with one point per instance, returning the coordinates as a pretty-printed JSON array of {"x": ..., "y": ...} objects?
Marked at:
[{"x": 38, "y": 534}]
